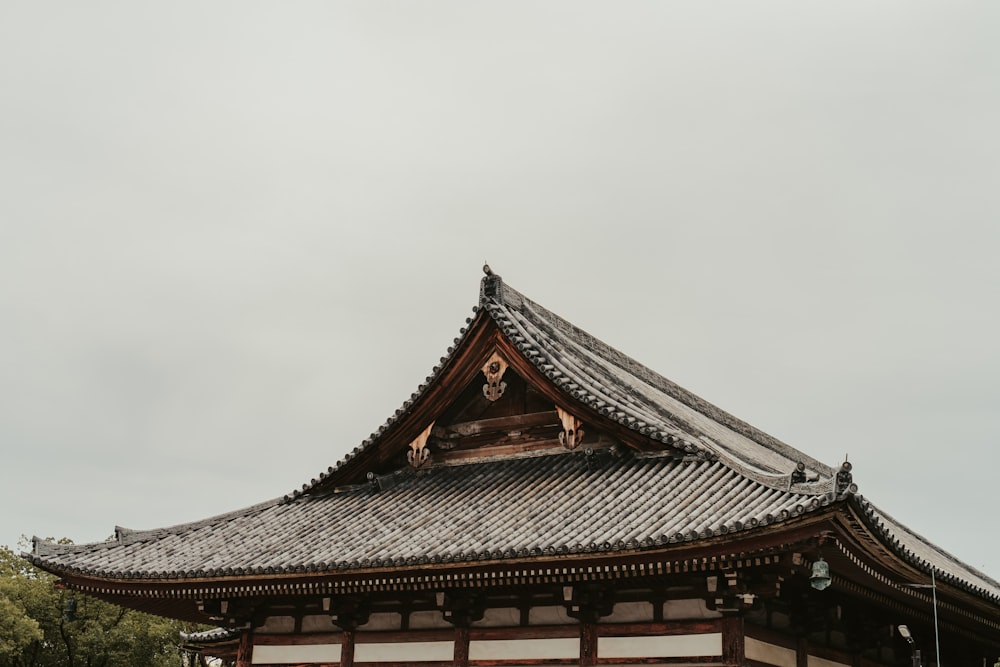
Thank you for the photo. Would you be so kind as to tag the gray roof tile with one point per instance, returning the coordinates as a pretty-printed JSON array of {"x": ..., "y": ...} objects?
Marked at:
[
  {"x": 494, "y": 509},
  {"x": 532, "y": 504}
]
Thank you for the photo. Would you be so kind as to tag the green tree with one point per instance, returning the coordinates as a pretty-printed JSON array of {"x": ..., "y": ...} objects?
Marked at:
[{"x": 35, "y": 633}]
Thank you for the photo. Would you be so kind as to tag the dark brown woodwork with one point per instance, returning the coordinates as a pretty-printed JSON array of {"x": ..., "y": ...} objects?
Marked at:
[
  {"x": 347, "y": 649},
  {"x": 505, "y": 449},
  {"x": 519, "y": 422},
  {"x": 244, "y": 654},
  {"x": 802, "y": 653},
  {"x": 733, "y": 644},
  {"x": 461, "y": 647},
  {"x": 588, "y": 644},
  {"x": 534, "y": 632},
  {"x": 682, "y": 660},
  {"x": 664, "y": 629}
]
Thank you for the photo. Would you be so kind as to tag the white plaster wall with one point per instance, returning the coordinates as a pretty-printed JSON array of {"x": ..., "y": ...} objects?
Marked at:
[
  {"x": 279, "y": 624},
  {"x": 318, "y": 623},
  {"x": 630, "y": 612},
  {"x": 404, "y": 652},
  {"x": 674, "y": 610},
  {"x": 525, "y": 649},
  {"x": 502, "y": 617},
  {"x": 664, "y": 646},
  {"x": 382, "y": 621},
  {"x": 814, "y": 661},
  {"x": 549, "y": 616},
  {"x": 279, "y": 655},
  {"x": 430, "y": 619},
  {"x": 779, "y": 656}
]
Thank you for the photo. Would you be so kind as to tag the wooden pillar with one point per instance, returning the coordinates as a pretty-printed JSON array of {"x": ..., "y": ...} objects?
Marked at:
[
  {"x": 244, "y": 654},
  {"x": 733, "y": 645},
  {"x": 588, "y": 644},
  {"x": 802, "y": 653},
  {"x": 461, "y": 647},
  {"x": 347, "y": 649}
]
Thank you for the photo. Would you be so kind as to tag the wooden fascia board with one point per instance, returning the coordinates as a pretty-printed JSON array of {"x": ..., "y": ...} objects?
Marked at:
[{"x": 457, "y": 370}]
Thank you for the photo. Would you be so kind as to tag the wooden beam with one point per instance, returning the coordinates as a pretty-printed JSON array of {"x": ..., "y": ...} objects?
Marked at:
[{"x": 497, "y": 425}]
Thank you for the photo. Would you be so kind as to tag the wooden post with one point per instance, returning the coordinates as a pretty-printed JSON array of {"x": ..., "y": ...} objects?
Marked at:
[
  {"x": 733, "y": 646},
  {"x": 347, "y": 649},
  {"x": 802, "y": 652},
  {"x": 461, "y": 647},
  {"x": 588, "y": 644},
  {"x": 244, "y": 654}
]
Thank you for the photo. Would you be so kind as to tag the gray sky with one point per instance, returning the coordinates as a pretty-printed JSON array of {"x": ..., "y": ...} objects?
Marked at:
[{"x": 234, "y": 237}]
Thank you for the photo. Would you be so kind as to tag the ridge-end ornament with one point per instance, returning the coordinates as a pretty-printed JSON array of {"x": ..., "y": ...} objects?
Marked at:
[
  {"x": 572, "y": 433},
  {"x": 493, "y": 369},
  {"x": 418, "y": 454}
]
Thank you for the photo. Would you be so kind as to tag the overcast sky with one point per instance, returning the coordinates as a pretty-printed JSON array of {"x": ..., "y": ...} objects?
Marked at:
[{"x": 234, "y": 237}]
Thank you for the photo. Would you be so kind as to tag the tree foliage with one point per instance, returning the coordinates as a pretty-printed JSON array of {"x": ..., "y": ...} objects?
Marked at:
[{"x": 35, "y": 633}]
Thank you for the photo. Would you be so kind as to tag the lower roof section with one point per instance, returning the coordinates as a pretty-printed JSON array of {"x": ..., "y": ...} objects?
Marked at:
[{"x": 539, "y": 505}]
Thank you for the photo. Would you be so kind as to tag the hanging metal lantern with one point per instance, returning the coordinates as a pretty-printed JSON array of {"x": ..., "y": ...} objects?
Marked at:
[
  {"x": 820, "y": 578},
  {"x": 69, "y": 610}
]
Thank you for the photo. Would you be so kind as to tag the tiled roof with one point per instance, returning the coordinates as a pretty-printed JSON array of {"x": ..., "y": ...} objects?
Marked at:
[
  {"x": 916, "y": 550},
  {"x": 736, "y": 479},
  {"x": 213, "y": 636},
  {"x": 494, "y": 510},
  {"x": 621, "y": 388}
]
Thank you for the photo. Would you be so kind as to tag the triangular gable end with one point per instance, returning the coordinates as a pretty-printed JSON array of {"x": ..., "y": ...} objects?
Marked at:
[{"x": 491, "y": 397}]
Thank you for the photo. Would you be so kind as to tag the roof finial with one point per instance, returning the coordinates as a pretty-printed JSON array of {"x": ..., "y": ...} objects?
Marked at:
[
  {"x": 492, "y": 286},
  {"x": 845, "y": 480}
]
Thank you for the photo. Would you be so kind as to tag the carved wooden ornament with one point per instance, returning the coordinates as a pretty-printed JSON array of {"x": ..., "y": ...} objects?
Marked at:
[
  {"x": 418, "y": 454},
  {"x": 493, "y": 369},
  {"x": 571, "y": 434}
]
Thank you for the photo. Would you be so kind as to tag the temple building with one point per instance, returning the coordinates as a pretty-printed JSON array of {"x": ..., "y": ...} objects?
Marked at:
[{"x": 544, "y": 499}]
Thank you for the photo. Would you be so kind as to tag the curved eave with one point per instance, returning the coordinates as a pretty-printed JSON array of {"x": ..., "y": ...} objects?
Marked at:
[
  {"x": 680, "y": 504},
  {"x": 917, "y": 552},
  {"x": 688, "y": 553}
]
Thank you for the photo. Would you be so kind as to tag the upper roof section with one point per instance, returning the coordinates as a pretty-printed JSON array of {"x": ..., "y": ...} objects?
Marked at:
[{"x": 561, "y": 376}]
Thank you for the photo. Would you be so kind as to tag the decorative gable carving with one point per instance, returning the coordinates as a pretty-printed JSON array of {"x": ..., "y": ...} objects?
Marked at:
[
  {"x": 493, "y": 369},
  {"x": 418, "y": 454},
  {"x": 572, "y": 433}
]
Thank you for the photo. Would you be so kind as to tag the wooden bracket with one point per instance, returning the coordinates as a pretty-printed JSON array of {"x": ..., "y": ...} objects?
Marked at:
[
  {"x": 572, "y": 434},
  {"x": 493, "y": 369},
  {"x": 418, "y": 454}
]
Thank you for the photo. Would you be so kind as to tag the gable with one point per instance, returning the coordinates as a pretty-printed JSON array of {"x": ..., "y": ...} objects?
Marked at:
[{"x": 516, "y": 362}]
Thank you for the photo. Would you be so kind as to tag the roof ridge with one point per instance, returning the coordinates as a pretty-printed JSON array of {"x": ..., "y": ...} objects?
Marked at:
[{"x": 509, "y": 296}]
